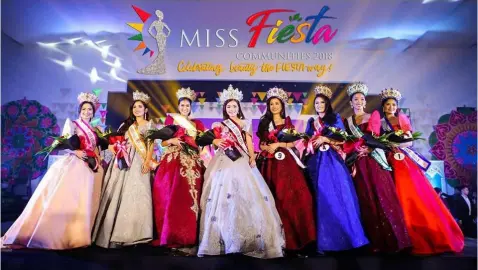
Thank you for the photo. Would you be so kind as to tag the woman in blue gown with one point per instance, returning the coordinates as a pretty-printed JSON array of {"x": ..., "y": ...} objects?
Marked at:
[{"x": 337, "y": 209}]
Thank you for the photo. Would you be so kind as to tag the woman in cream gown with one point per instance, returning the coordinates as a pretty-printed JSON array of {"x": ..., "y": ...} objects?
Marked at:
[
  {"x": 125, "y": 215},
  {"x": 61, "y": 211},
  {"x": 238, "y": 213}
]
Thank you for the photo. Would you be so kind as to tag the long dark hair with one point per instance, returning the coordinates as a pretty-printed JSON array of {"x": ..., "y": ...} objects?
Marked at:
[
  {"x": 240, "y": 114},
  {"x": 385, "y": 101},
  {"x": 329, "y": 117},
  {"x": 131, "y": 119},
  {"x": 92, "y": 106},
  {"x": 266, "y": 119},
  {"x": 190, "y": 104}
]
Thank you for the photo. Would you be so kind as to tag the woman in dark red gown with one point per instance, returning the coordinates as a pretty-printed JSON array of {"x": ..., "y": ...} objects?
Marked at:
[
  {"x": 178, "y": 181},
  {"x": 382, "y": 215},
  {"x": 431, "y": 227},
  {"x": 282, "y": 170}
]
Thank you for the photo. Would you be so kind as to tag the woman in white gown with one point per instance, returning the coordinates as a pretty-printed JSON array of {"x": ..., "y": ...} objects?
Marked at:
[
  {"x": 61, "y": 211},
  {"x": 238, "y": 213}
]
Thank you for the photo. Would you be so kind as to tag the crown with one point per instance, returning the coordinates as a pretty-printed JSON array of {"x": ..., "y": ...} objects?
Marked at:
[
  {"x": 88, "y": 97},
  {"x": 357, "y": 88},
  {"x": 186, "y": 93},
  {"x": 391, "y": 93},
  {"x": 323, "y": 90},
  {"x": 278, "y": 93},
  {"x": 231, "y": 93},
  {"x": 137, "y": 95}
]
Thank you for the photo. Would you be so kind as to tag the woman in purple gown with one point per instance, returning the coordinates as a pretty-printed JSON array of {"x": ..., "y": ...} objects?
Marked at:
[{"x": 337, "y": 210}]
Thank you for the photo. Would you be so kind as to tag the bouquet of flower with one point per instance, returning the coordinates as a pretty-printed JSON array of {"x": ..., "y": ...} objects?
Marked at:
[
  {"x": 62, "y": 143},
  {"x": 207, "y": 137},
  {"x": 289, "y": 135},
  {"x": 174, "y": 131},
  {"x": 163, "y": 134},
  {"x": 72, "y": 143},
  {"x": 337, "y": 134},
  {"x": 400, "y": 136},
  {"x": 119, "y": 145},
  {"x": 103, "y": 137}
]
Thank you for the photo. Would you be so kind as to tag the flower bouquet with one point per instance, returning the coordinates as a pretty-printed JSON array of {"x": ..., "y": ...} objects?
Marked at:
[{"x": 207, "y": 137}]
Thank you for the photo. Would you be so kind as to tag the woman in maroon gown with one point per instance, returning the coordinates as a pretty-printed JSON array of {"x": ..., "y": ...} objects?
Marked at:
[
  {"x": 178, "y": 181},
  {"x": 382, "y": 216},
  {"x": 282, "y": 170}
]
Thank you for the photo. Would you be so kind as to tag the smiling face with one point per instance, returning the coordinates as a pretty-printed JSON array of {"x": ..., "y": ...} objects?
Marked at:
[
  {"x": 358, "y": 101},
  {"x": 320, "y": 104},
  {"x": 87, "y": 111},
  {"x": 275, "y": 106},
  {"x": 390, "y": 106},
  {"x": 138, "y": 109},
  {"x": 184, "y": 107},
  {"x": 232, "y": 108}
]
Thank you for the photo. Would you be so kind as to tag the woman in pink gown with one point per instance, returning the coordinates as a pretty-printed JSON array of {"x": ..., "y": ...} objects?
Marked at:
[
  {"x": 61, "y": 212},
  {"x": 431, "y": 227}
]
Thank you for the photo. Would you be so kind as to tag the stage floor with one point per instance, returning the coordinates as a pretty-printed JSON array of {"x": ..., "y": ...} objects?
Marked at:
[{"x": 146, "y": 257}]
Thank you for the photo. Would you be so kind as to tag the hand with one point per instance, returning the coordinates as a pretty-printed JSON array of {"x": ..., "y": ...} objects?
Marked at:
[
  {"x": 318, "y": 141},
  {"x": 145, "y": 168},
  {"x": 363, "y": 151},
  {"x": 80, "y": 154},
  {"x": 175, "y": 141},
  {"x": 219, "y": 143},
  {"x": 112, "y": 149},
  {"x": 273, "y": 147},
  {"x": 252, "y": 162}
]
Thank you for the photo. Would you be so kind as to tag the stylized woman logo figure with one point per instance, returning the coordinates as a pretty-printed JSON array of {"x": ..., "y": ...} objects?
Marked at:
[{"x": 157, "y": 66}]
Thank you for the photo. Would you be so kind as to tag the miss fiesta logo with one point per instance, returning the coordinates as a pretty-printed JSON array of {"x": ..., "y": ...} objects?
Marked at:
[{"x": 296, "y": 31}]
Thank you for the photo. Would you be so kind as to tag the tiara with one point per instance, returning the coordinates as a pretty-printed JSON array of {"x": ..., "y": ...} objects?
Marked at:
[
  {"x": 186, "y": 93},
  {"x": 231, "y": 93},
  {"x": 391, "y": 93},
  {"x": 88, "y": 97},
  {"x": 137, "y": 95},
  {"x": 357, "y": 88},
  {"x": 278, "y": 93},
  {"x": 323, "y": 90}
]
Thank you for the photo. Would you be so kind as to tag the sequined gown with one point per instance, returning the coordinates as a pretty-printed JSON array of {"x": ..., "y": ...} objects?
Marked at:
[
  {"x": 382, "y": 215},
  {"x": 431, "y": 227},
  {"x": 176, "y": 194},
  {"x": 337, "y": 209},
  {"x": 238, "y": 213},
  {"x": 292, "y": 195},
  {"x": 125, "y": 215},
  {"x": 61, "y": 211}
]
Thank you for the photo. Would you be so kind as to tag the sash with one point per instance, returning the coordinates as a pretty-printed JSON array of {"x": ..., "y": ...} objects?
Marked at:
[
  {"x": 416, "y": 157},
  {"x": 90, "y": 135},
  {"x": 237, "y": 134},
  {"x": 186, "y": 124},
  {"x": 297, "y": 160},
  {"x": 317, "y": 124},
  {"x": 377, "y": 153},
  {"x": 138, "y": 143}
]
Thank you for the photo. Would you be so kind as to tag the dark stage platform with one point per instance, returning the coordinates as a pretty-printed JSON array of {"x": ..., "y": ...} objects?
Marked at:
[{"x": 145, "y": 257}]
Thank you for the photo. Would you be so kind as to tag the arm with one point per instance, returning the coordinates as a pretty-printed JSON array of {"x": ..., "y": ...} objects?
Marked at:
[
  {"x": 150, "y": 29},
  {"x": 169, "y": 30},
  {"x": 309, "y": 130}
]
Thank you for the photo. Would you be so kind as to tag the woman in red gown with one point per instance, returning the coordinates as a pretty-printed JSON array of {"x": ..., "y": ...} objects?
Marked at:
[
  {"x": 431, "y": 227},
  {"x": 178, "y": 181},
  {"x": 282, "y": 170},
  {"x": 382, "y": 215}
]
